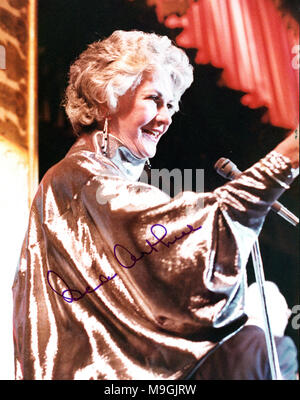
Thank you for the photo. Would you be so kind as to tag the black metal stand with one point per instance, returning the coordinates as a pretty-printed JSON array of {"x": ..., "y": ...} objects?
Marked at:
[{"x": 260, "y": 279}]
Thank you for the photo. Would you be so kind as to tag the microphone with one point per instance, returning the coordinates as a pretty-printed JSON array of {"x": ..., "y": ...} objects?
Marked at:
[{"x": 229, "y": 170}]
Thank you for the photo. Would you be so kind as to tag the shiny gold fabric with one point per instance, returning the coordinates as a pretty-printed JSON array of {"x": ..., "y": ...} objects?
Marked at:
[{"x": 142, "y": 286}]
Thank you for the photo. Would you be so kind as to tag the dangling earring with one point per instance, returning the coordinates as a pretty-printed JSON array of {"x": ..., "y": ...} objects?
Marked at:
[
  {"x": 105, "y": 137},
  {"x": 148, "y": 169}
]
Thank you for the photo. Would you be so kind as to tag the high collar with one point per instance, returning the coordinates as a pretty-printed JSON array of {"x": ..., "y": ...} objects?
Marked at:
[{"x": 117, "y": 153}]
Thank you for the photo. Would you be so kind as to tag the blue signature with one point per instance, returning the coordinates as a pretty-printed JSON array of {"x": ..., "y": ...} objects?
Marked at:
[{"x": 70, "y": 295}]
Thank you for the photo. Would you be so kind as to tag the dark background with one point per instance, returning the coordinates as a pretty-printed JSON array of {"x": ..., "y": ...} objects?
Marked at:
[{"x": 212, "y": 122}]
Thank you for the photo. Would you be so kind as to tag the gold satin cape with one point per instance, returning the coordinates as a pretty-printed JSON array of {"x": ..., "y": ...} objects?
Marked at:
[{"x": 117, "y": 281}]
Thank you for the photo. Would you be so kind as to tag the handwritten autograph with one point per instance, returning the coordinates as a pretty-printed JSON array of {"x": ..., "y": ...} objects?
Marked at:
[
  {"x": 73, "y": 292},
  {"x": 160, "y": 240},
  {"x": 70, "y": 295}
]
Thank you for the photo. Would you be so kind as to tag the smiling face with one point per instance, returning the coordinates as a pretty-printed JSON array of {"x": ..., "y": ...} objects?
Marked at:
[{"x": 145, "y": 114}]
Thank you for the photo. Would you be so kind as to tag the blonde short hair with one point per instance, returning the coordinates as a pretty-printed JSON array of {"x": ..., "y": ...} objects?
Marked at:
[{"x": 110, "y": 67}]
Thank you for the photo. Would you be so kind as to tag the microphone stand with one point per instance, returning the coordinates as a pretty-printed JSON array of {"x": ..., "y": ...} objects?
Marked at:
[{"x": 260, "y": 279}]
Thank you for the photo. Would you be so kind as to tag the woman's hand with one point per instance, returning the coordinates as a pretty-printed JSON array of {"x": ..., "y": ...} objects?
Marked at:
[{"x": 289, "y": 147}]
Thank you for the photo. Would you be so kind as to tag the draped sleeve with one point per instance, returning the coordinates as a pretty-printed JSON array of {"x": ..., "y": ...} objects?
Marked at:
[{"x": 182, "y": 259}]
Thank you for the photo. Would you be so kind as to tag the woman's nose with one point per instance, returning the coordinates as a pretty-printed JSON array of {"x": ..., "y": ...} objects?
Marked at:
[{"x": 164, "y": 116}]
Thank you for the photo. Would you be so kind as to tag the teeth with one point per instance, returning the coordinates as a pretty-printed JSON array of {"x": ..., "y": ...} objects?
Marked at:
[{"x": 151, "y": 133}]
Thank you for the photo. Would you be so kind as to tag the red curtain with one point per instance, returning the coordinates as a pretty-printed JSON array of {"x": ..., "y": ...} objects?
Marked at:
[{"x": 255, "y": 45}]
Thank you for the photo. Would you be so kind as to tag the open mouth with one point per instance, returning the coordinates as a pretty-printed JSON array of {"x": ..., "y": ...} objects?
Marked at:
[{"x": 153, "y": 134}]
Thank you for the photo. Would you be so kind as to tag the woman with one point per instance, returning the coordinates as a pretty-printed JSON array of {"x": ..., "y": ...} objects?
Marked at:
[{"x": 116, "y": 280}]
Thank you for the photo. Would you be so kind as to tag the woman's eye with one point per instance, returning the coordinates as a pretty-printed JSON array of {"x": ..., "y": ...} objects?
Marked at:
[
  {"x": 158, "y": 100},
  {"x": 154, "y": 97}
]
